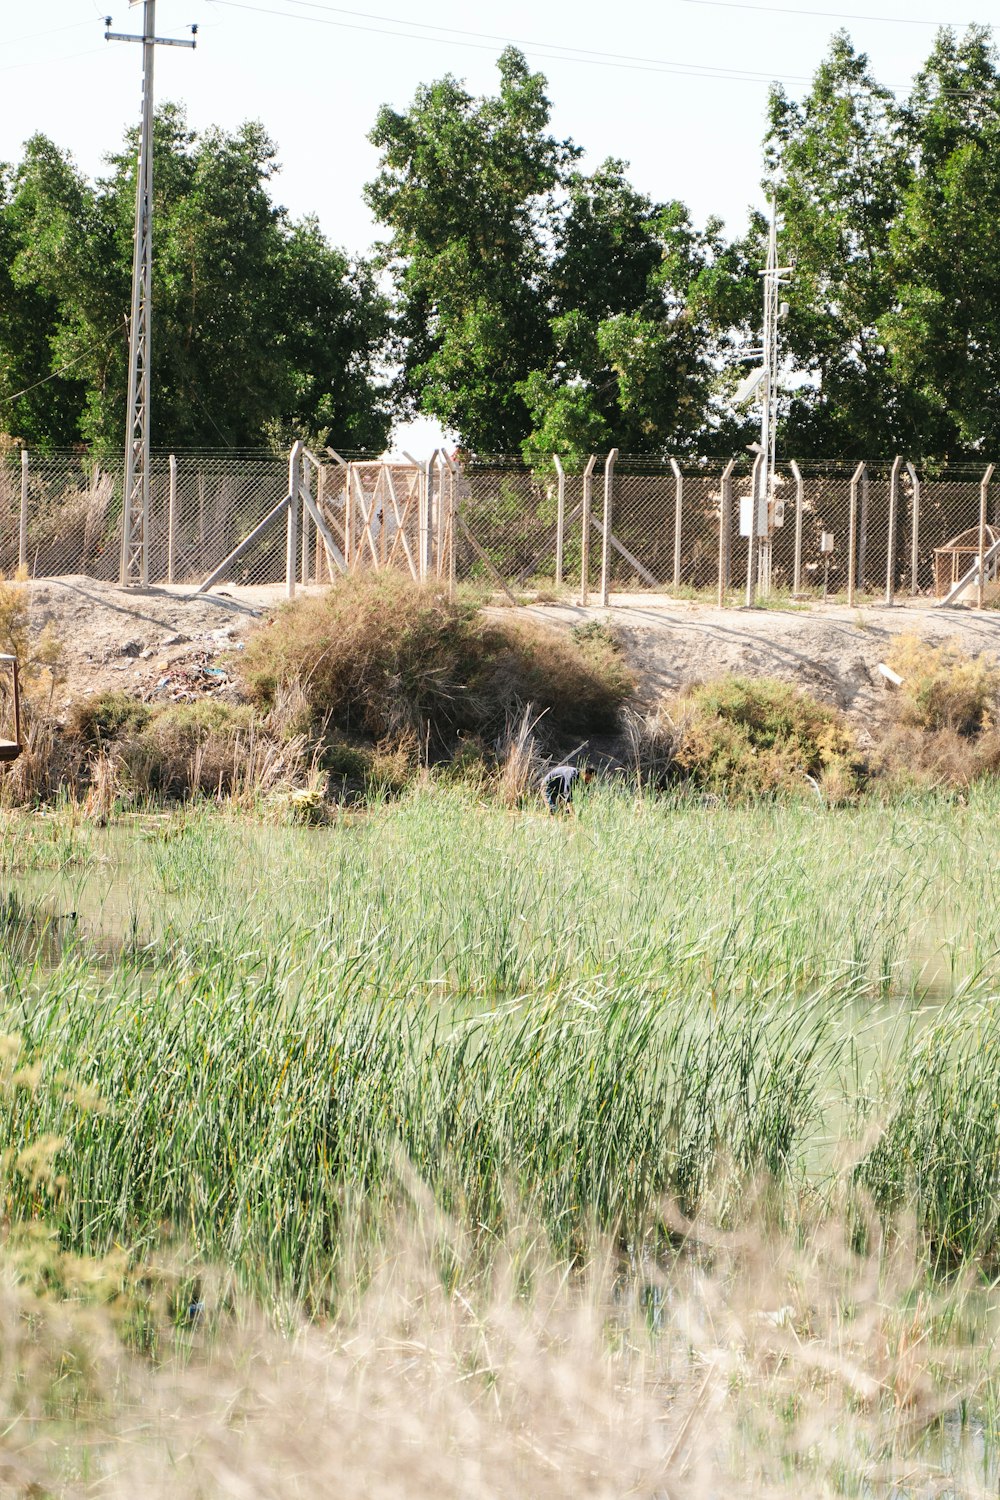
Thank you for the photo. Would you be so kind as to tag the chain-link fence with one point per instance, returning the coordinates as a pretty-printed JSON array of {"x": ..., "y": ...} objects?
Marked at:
[
  {"x": 863, "y": 531},
  {"x": 61, "y": 514}
]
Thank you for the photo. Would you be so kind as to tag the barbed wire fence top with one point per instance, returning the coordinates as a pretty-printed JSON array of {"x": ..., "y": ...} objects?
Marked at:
[{"x": 872, "y": 531}]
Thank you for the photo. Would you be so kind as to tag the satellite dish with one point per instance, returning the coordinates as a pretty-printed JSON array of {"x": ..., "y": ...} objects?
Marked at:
[{"x": 747, "y": 387}]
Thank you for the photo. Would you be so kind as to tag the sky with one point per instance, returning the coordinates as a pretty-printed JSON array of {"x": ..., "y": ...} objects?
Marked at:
[{"x": 678, "y": 88}]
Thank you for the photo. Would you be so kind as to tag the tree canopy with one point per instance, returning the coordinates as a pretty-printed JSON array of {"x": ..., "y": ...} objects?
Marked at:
[
  {"x": 526, "y": 303},
  {"x": 261, "y": 331}
]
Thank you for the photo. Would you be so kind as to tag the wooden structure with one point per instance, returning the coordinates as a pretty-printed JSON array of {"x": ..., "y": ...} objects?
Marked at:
[
  {"x": 10, "y": 749},
  {"x": 954, "y": 561}
]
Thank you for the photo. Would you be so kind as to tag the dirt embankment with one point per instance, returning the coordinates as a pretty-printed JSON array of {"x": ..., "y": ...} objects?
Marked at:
[{"x": 168, "y": 644}]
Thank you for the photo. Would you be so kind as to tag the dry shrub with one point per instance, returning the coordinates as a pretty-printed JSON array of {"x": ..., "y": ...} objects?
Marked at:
[
  {"x": 653, "y": 740},
  {"x": 942, "y": 730},
  {"x": 377, "y": 656},
  {"x": 752, "y": 736},
  {"x": 907, "y": 758},
  {"x": 39, "y": 654},
  {"x": 189, "y": 747},
  {"x": 520, "y": 764},
  {"x": 943, "y": 687},
  {"x": 47, "y": 765}
]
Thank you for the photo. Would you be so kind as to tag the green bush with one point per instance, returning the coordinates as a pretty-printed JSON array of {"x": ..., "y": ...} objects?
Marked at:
[
  {"x": 756, "y": 735},
  {"x": 379, "y": 657},
  {"x": 103, "y": 717},
  {"x": 190, "y": 747}
]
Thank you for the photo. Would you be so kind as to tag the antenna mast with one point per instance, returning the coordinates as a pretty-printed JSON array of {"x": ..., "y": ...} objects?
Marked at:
[
  {"x": 135, "y": 505},
  {"x": 775, "y": 277}
]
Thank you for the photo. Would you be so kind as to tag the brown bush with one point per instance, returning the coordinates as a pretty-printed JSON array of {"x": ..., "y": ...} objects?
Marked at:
[
  {"x": 908, "y": 758},
  {"x": 379, "y": 657}
]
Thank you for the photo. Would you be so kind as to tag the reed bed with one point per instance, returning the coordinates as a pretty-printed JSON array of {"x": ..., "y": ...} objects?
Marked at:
[
  {"x": 654, "y": 1148},
  {"x": 576, "y": 1021}
]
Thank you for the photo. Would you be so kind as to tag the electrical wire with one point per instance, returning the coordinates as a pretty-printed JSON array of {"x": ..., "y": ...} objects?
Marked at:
[
  {"x": 49, "y": 62},
  {"x": 556, "y": 52},
  {"x": 548, "y": 51},
  {"x": 101, "y": 344},
  {"x": 34, "y": 36},
  {"x": 833, "y": 15}
]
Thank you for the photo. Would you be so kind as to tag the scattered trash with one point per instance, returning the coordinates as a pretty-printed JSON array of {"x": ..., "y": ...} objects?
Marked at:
[
  {"x": 890, "y": 675},
  {"x": 194, "y": 677}
]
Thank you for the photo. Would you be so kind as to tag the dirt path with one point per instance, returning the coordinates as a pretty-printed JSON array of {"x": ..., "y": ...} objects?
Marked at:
[{"x": 171, "y": 644}]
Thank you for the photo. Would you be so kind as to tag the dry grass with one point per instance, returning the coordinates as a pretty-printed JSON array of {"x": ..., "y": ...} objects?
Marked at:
[
  {"x": 748, "y": 1366},
  {"x": 378, "y": 657}
]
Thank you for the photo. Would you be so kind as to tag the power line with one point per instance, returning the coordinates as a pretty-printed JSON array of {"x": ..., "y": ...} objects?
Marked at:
[
  {"x": 833, "y": 15},
  {"x": 48, "y": 61},
  {"x": 548, "y": 51},
  {"x": 101, "y": 344},
  {"x": 34, "y": 36}
]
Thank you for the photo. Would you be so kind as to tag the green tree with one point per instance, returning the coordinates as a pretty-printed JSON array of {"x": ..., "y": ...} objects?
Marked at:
[
  {"x": 467, "y": 188},
  {"x": 838, "y": 165},
  {"x": 943, "y": 329},
  {"x": 626, "y": 351},
  {"x": 261, "y": 329}
]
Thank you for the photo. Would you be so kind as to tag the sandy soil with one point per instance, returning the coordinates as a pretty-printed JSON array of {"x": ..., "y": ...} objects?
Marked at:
[
  {"x": 164, "y": 642},
  {"x": 169, "y": 643},
  {"x": 830, "y": 650}
]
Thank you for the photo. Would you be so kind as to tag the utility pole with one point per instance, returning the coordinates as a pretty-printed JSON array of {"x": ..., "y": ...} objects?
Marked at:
[
  {"x": 775, "y": 277},
  {"x": 135, "y": 502}
]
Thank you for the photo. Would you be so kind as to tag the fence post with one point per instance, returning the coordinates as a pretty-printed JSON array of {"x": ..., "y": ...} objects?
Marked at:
[
  {"x": 984, "y": 490},
  {"x": 172, "y": 518},
  {"x": 22, "y": 533},
  {"x": 609, "y": 482},
  {"x": 858, "y": 477},
  {"x": 349, "y": 515},
  {"x": 752, "y": 542},
  {"x": 560, "y": 518},
  {"x": 306, "y": 482},
  {"x": 446, "y": 525},
  {"x": 725, "y": 528},
  {"x": 863, "y": 526},
  {"x": 452, "y": 534},
  {"x": 675, "y": 469},
  {"x": 426, "y": 516},
  {"x": 320, "y": 487},
  {"x": 292, "y": 534},
  {"x": 588, "y": 485},
  {"x": 890, "y": 557},
  {"x": 914, "y": 530},
  {"x": 800, "y": 489}
]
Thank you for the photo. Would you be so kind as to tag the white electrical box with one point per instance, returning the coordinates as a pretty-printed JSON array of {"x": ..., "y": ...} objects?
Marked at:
[
  {"x": 826, "y": 541},
  {"x": 746, "y": 515}
]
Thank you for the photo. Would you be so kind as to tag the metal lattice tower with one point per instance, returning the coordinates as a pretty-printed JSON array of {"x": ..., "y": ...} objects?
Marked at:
[{"x": 135, "y": 506}]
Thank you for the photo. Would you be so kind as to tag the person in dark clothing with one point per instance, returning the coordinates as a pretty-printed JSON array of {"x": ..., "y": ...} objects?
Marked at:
[{"x": 557, "y": 785}]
